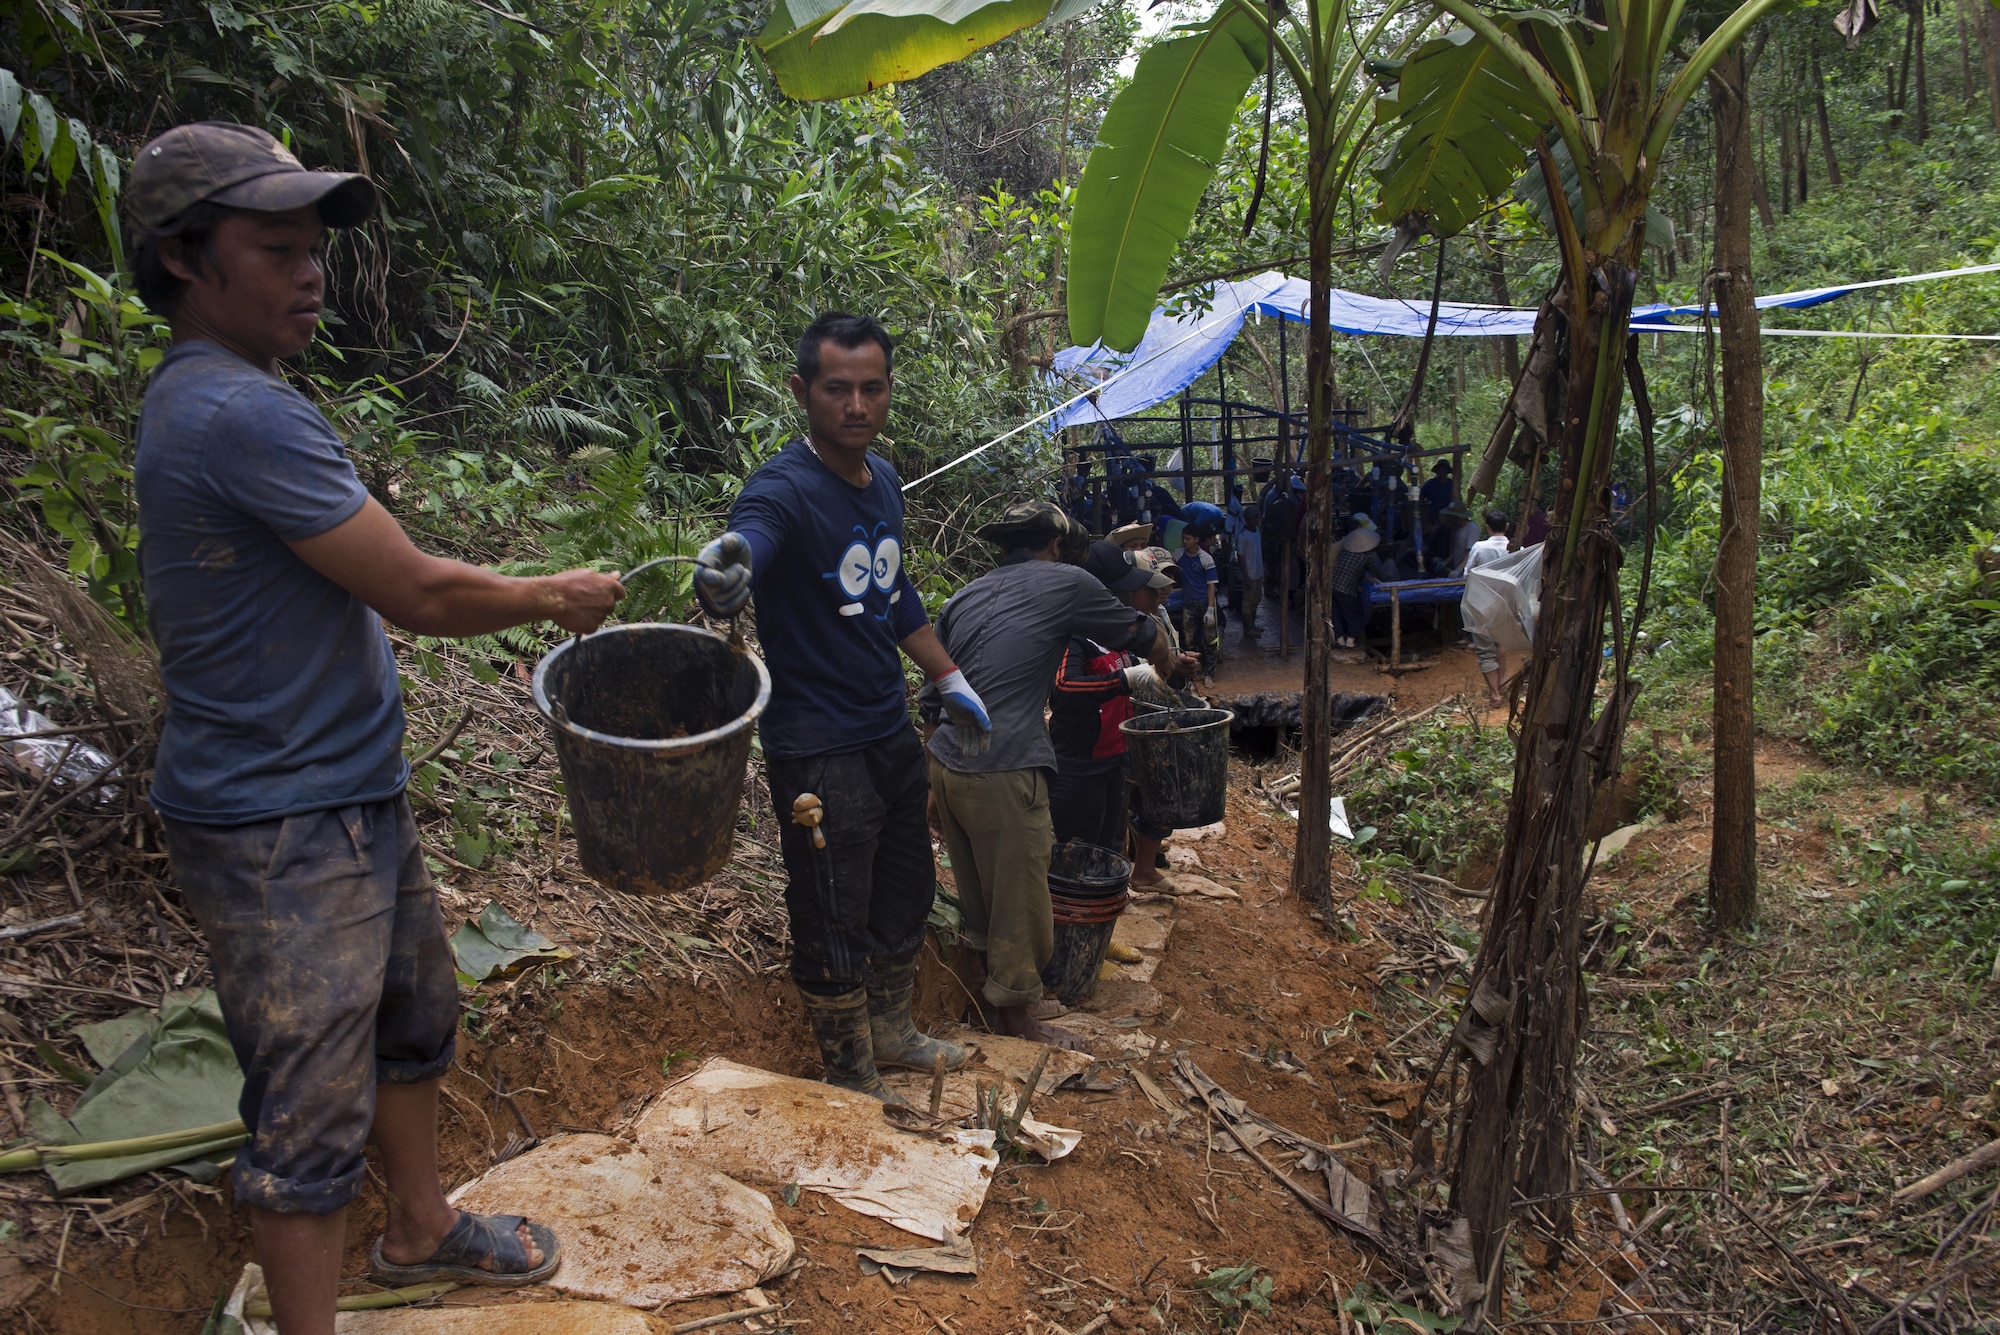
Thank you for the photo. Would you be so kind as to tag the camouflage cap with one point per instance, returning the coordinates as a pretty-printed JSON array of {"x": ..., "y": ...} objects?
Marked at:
[
  {"x": 1034, "y": 522},
  {"x": 239, "y": 166}
]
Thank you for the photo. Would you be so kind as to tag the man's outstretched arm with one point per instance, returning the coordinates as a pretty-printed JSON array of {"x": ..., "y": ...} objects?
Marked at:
[{"x": 370, "y": 556}]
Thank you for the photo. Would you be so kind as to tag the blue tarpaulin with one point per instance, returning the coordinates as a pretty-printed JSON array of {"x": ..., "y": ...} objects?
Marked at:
[{"x": 1181, "y": 343}]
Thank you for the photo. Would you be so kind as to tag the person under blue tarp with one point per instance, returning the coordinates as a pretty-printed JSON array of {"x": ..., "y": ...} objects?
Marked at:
[{"x": 1439, "y": 492}]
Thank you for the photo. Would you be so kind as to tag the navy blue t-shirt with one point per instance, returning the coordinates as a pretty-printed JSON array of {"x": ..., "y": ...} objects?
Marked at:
[
  {"x": 833, "y": 601},
  {"x": 282, "y": 694}
]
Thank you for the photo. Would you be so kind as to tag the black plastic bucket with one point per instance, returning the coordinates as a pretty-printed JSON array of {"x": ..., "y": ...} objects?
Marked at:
[
  {"x": 1082, "y": 870},
  {"x": 1083, "y": 931},
  {"x": 1087, "y": 893},
  {"x": 1179, "y": 763},
  {"x": 652, "y": 726}
]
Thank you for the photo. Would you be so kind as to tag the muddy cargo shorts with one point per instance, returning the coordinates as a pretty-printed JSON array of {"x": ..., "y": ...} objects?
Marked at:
[{"x": 334, "y": 975}]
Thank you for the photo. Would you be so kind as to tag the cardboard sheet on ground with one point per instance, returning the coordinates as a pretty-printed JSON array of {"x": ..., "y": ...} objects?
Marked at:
[
  {"x": 494, "y": 1319},
  {"x": 638, "y": 1227},
  {"x": 775, "y": 1131},
  {"x": 172, "y": 1072},
  {"x": 498, "y": 1319},
  {"x": 1614, "y": 843},
  {"x": 1145, "y": 928},
  {"x": 898, "y": 1265}
]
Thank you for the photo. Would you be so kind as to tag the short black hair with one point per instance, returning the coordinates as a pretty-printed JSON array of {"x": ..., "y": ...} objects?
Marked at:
[
  {"x": 849, "y": 331},
  {"x": 159, "y": 287},
  {"x": 1497, "y": 521}
]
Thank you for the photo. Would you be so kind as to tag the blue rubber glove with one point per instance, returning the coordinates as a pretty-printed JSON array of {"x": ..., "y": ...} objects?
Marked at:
[
  {"x": 971, "y": 727},
  {"x": 722, "y": 575}
]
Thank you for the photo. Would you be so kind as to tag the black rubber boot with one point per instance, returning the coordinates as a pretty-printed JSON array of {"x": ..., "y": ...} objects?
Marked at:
[
  {"x": 897, "y": 1042},
  {"x": 840, "y": 1026}
]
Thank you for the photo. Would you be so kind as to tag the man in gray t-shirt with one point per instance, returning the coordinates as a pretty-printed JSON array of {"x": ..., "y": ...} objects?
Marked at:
[
  {"x": 1007, "y": 631},
  {"x": 269, "y": 570}
]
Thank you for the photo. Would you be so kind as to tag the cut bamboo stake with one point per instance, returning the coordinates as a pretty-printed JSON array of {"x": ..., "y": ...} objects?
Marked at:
[
  {"x": 371, "y": 1302},
  {"x": 37, "y": 1156},
  {"x": 723, "y": 1319},
  {"x": 1984, "y": 1157}
]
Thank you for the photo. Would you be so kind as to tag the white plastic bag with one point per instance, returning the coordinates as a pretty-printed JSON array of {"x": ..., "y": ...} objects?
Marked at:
[
  {"x": 74, "y": 761},
  {"x": 1503, "y": 598}
]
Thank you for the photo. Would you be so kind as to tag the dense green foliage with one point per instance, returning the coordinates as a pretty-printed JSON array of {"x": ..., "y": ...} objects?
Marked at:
[
  {"x": 568, "y": 337},
  {"x": 1877, "y": 624},
  {"x": 570, "y": 331}
]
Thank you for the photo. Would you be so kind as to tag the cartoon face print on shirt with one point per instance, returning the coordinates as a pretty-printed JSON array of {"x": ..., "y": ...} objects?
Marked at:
[{"x": 872, "y": 561}]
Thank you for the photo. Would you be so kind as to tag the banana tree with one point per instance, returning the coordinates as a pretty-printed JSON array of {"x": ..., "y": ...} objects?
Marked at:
[
  {"x": 1157, "y": 151},
  {"x": 1596, "y": 100}
]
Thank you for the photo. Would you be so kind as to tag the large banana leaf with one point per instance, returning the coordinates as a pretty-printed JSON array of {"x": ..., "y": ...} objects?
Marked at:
[
  {"x": 823, "y": 49},
  {"x": 1156, "y": 152},
  {"x": 1466, "y": 118}
]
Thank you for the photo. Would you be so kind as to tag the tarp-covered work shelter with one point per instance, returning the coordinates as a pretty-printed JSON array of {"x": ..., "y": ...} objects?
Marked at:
[{"x": 1185, "y": 340}]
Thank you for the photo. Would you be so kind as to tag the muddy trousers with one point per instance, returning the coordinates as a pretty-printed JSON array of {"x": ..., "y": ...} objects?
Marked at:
[
  {"x": 869, "y": 891},
  {"x": 997, "y": 828},
  {"x": 334, "y": 976}
]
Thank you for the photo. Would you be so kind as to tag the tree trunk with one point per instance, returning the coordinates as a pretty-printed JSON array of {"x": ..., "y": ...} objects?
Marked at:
[
  {"x": 1496, "y": 277},
  {"x": 1917, "y": 8},
  {"x": 1805, "y": 159},
  {"x": 1732, "y": 864},
  {"x": 1785, "y": 156},
  {"x": 1825, "y": 127},
  {"x": 1965, "y": 92},
  {"x": 1521, "y": 1025},
  {"x": 1759, "y": 185},
  {"x": 1989, "y": 49},
  {"x": 1312, "y": 865},
  {"x": 1899, "y": 79}
]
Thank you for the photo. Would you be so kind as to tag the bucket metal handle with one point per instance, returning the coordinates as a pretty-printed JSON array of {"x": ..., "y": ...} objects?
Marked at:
[{"x": 735, "y": 632}]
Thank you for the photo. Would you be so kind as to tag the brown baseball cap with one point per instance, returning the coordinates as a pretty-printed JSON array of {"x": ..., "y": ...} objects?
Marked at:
[{"x": 239, "y": 166}]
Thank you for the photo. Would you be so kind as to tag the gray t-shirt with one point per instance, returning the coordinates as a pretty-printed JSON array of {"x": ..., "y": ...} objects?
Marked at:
[
  {"x": 282, "y": 694},
  {"x": 1006, "y": 631}
]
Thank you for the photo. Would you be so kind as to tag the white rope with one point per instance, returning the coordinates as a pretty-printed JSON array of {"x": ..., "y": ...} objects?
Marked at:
[
  {"x": 1906, "y": 278},
  {"x": 1818, "y": 333}
]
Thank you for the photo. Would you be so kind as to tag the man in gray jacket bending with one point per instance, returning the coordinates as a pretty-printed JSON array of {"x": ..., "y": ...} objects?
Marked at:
[{"x": 1006, "y": 631}]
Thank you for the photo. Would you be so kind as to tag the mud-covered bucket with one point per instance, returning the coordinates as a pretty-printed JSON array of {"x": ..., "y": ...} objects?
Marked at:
[
  {"x": 1087, "y": 892},
  {"x": 1179, "y": 763},
  {"x": 652, "y": 727}
]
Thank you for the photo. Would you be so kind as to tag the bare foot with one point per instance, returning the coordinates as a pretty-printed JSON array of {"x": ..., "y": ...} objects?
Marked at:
[
  {"x": 1019, "y": 1022},
  {"x": 1496, "y": 702}
]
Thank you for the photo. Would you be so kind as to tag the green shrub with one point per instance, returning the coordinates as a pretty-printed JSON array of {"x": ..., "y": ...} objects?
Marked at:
[{"x": 1439, "y": 802}]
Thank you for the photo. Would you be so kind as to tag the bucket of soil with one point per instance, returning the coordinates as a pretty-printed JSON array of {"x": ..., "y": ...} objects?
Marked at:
[
  {"x": 1087, "y": 890},
  {"x": 1179, "y": 763},
  {"x": 652, "y": 727}
]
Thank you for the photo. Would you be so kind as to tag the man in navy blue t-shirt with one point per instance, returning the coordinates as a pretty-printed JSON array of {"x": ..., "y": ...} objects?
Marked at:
[
  {"x": 818, "y": 533},
  {"x": 269, "y": 571}
]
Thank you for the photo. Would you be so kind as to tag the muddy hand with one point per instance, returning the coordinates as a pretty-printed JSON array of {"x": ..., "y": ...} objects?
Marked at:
[{"x": 579, "y": 600}]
